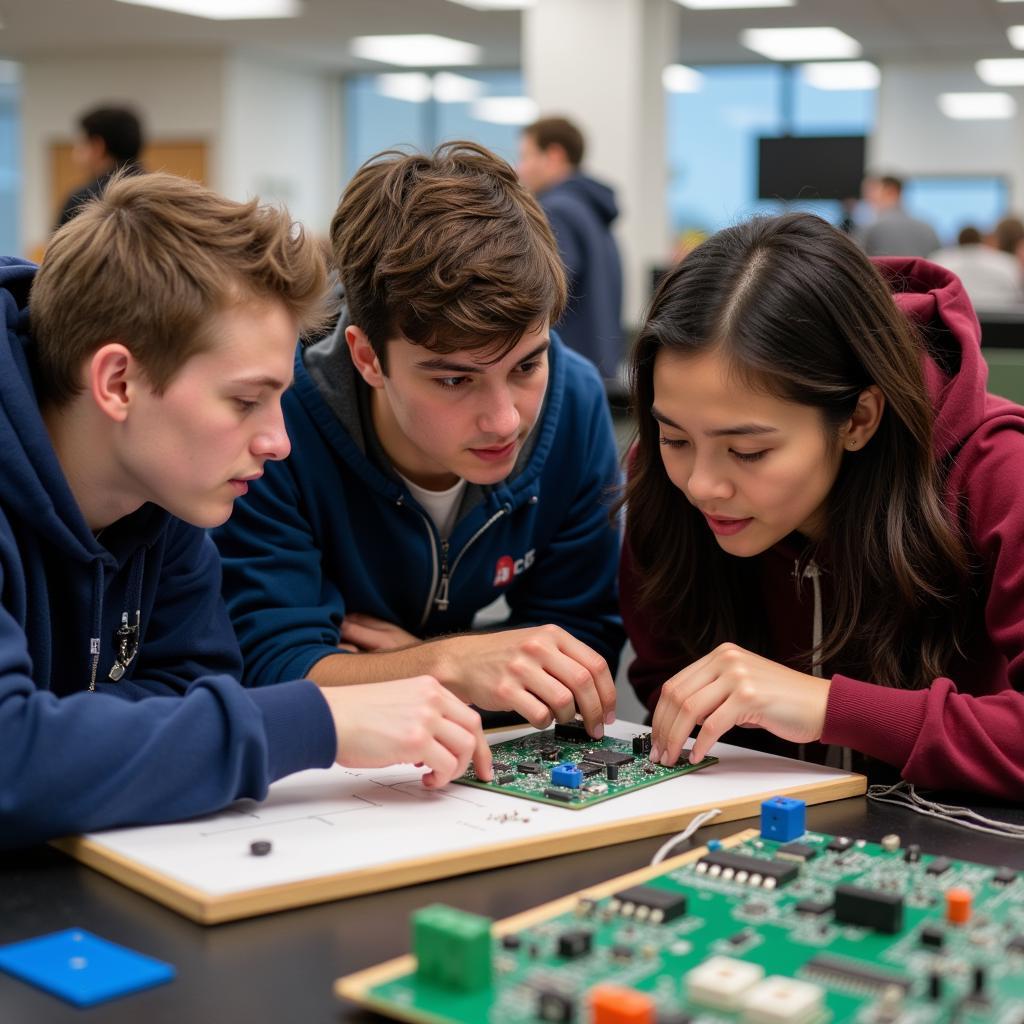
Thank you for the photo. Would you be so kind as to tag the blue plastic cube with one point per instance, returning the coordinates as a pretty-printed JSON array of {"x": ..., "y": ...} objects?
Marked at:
[
  {"x": 567, "y": 775},
  {"x": 782, "y": 818}
]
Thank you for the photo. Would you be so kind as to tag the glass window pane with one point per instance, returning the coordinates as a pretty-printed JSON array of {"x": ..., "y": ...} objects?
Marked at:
[
  {"x": 439, "y": 107},
  {"x": 951, "y": 203},
  {"x": 10, "y": 164},
  {"x": 374, "y": 121}
]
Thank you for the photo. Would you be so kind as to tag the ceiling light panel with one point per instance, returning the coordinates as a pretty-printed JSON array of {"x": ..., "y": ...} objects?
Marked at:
[
  {"x": 789, "y": 44},
  {"x": 841, "y": 75},
  {"x": 729, "y": 5},
  {"x": 422, "y": 51},
  {"x": 680, "y": 78},
  {"x": 1001, "y": 71},
  {"x": 515, "y": 110},
  {"x": 978, "y": 106},
  {"x": 225, "y": 10}
]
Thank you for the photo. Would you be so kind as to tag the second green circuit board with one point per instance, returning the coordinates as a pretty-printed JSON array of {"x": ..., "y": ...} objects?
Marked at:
[{"x": 567, "y": 768}]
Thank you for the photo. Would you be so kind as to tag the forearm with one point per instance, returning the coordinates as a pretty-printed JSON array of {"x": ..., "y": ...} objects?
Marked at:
[{"x": 430, "y": 659}]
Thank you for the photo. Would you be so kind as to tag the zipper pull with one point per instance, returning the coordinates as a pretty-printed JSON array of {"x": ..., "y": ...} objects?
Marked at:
[
  {"x": 441, "y": 599},
  {"x": 126, "y": 643}
]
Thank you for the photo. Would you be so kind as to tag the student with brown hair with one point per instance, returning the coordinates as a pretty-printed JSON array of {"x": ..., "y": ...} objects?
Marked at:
[
  {"x": 449, "y": 450},
  {"x": 824, "y": 513},
  {"x": 140, "y": 385}
]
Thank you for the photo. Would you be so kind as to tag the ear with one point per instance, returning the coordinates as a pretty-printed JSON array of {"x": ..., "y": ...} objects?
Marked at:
[
  {"x": 113, "y": 378},
  {"x": 861, "y": 426},
  {"x": 363, "y": 356}
]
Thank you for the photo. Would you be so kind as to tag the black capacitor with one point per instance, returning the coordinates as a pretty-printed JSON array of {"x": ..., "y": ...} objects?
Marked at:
[
  {"x": 612, "y": 772},
  {"x": 935, "y": 986},
  {"x": 912, "y": 854},
  {"x": 979, "y": 977}
]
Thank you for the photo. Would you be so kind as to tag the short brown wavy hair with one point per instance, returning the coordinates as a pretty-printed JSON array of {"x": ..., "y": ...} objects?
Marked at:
[
  {"x": 149, "y": 263},
  {"x": 448, "y": 250}
]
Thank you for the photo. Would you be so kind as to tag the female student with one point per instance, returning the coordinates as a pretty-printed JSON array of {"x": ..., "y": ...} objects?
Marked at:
[{"x": 824, "y": 513}]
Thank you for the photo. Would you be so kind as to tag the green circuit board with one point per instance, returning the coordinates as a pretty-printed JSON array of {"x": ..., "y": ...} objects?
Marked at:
[
  {"x": 822, "y": 930},
  {"x": 565, "y": 767}
]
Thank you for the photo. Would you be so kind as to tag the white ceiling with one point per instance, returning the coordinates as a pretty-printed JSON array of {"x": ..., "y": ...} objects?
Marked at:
[{"x": 904, "y": 30}]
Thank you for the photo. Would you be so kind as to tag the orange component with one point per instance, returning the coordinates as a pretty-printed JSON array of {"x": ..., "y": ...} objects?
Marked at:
[
  {"x": 958, "y": 906},
  {"x": 613, "y": 1004}
]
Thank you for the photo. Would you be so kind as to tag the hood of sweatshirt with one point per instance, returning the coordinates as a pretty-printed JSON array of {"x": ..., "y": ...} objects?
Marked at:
[
  {"x": 956, "y": 373},
  {"x": 595, "y": 194},
  {"x": 36, "y": 492}
]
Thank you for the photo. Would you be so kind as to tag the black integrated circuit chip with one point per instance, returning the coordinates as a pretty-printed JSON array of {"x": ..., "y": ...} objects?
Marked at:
[
  {"x": 606, "y": 757},
  {"x": 870, "y": 908},
  {"x": 572, "y": 732},
  {"x": 835, "y": 968},
  {"x": 781, "y": 871},
  {"x": 659, "y": 905}
]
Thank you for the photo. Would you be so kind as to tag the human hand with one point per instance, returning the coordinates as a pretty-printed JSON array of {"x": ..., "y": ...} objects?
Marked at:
[
  {"x": 408, "y": 721},
  {"x": 541, "y": 672},
  {"x": 731, "y": 686},
  {"x": 366, "y": 633}
]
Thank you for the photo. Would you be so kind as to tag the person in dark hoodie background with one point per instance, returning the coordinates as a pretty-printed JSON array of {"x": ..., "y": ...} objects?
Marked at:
[
  {"x": 824, "y": 514},
  {"x": 110, "y": 141},
  {"x": 141, "y": 374},
  {"x": 449, "y": 451},
  {"x": 580, "y": 211}
]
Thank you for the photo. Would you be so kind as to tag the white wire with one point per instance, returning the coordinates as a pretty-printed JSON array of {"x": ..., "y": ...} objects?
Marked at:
[
  {"x": 903, "y": 794},
  {"x": 695, "y": 823}
]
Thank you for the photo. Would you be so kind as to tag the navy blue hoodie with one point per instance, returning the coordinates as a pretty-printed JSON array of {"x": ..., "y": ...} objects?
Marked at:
[
  {"x": 333, "y": 529},
  {"x": 176, "y": 735},
  {"x": 580, "y": 211}
]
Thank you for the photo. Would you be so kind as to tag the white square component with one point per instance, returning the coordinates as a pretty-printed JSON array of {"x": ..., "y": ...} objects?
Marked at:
[
  {"x": 778, "y": 1000},
  {"x": 722, "y": 982}
]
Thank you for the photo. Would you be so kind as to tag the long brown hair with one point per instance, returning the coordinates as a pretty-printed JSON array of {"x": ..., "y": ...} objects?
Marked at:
[{"x": 802, "y": 314}]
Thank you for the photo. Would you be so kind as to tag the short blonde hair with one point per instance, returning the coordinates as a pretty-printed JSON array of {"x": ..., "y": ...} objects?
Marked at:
[{"x": 149, "y": 263}]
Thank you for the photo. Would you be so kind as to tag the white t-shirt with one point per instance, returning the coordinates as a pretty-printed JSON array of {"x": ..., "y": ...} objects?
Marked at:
[{"x": 441, "y": 506}]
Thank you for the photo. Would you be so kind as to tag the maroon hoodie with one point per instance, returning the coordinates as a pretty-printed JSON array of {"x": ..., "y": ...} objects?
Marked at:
[{"x": 964, "y": 731}]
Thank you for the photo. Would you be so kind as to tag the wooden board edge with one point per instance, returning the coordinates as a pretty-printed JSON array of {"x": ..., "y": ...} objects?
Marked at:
[
  {"x": 207, "y": 909},
  {"x": 356, "y": 987},
  {"x": 185, "y": 899}
]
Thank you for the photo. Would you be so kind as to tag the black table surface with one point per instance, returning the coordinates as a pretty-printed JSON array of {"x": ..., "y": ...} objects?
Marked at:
[{"x": 281, "y": 967}]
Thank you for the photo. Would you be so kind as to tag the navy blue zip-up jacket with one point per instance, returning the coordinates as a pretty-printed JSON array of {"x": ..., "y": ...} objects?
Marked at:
[
  {"x": 581, "y": 211},
  {"x": 177, "y": 735},
  {"x": 330, "y": 531}
]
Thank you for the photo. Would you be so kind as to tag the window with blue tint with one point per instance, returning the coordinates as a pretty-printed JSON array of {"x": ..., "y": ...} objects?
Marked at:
[
  {"x": 712, "y": 144},
  {"x": 10, "y": 158},
  {"x": 950, "y": 203},
  {"x": 713, "y": 135},
  {"x": 455, "y": 119},
  {"x": 420, "y": 110}
]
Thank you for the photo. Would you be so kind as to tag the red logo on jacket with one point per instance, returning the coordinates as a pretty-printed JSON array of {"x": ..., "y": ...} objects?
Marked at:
[{"x": 508, "y": 568}]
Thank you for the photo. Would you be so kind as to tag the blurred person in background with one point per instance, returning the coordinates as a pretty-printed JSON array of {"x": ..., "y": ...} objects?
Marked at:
[
  {"x": 893, "y": 232},
  {"x": 110, "y": 140},
  {"x": 992, "y": 278},
  {"x": 580, "y": 211}
]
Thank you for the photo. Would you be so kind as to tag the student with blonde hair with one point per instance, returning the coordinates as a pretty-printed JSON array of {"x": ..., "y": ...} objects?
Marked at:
[{"x": 141, "y": 377}]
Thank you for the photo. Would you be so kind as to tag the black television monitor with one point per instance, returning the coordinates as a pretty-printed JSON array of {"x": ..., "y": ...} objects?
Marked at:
[{"x": 810, "y": 166}]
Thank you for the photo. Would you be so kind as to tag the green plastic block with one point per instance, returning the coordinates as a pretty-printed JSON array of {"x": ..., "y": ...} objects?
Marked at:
[{"x": 453, "y": 948}]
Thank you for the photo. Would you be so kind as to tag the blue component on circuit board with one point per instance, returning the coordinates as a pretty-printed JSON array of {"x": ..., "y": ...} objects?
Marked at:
[
  {"x": 782, "y": 818},
  {"x": 567, "y": 775}
]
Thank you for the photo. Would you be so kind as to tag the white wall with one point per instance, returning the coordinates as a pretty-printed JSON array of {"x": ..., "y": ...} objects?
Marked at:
[
  {"x": 281, "y": 138},
  {"x": 914, "y": 137},
  {"x": 179, "y": 97}
]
